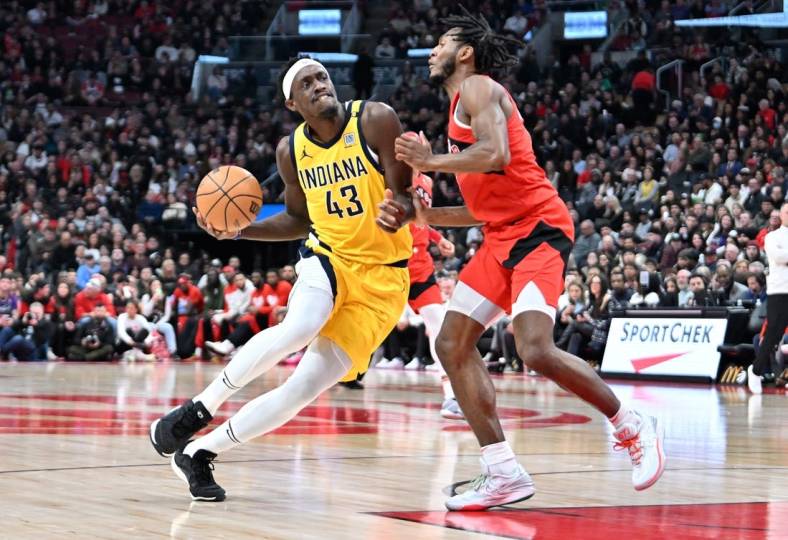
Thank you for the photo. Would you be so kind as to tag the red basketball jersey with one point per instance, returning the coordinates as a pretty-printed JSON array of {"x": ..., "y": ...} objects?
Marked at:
[
  {"x": 502, "y": 197},
  {"x": 420, "y": 264}
]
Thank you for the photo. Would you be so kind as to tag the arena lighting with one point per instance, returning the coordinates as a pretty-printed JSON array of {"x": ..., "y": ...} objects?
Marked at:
[
  {"x": 419, "y": 53},
  {"x": 585, "y": 24},
  {"x": 758, "y": 20},
  {"x": 320, "y": 22},
  {"x": 331, "y": 56}
]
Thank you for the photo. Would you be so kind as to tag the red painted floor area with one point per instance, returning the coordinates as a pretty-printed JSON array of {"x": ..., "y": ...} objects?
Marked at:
[{"x": 737, "y": 521}]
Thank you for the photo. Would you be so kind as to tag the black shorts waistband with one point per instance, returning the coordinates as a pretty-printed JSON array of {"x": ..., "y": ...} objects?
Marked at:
[{"x": 399, "y": 264}]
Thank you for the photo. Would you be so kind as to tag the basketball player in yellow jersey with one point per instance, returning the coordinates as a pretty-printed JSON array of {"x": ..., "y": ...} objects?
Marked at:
[{"x": 352, "y": 286}]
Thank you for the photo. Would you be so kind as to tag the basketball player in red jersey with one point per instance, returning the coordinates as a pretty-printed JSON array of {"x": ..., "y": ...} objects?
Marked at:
[
  {"x": 425, "y": 295},
  {"x": 528, "y": 236}
]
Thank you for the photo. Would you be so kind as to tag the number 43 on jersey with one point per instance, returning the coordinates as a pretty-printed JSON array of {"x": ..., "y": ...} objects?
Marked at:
[{"x": 349, "y": 200}]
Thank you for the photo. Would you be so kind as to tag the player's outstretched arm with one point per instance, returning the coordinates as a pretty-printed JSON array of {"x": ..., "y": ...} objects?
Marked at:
[
  {"x": 480, "y": 98},
  {"x": 292, "y": 224},
  {"x": 381, "y": 127},
  {"x": 446, "y": 216}
]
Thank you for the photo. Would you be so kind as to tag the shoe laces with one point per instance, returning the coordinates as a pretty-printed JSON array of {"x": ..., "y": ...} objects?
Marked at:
[
  {"x": 480, "y": 482},
  {"x": 203, "y": 467},
  {"x": 634, "y": 446}
]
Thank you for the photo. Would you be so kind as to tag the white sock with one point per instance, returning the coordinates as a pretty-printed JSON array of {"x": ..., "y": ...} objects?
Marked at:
[
  {"x": 308, "y": 311},
  {"x": 500, "y": 458},
  {"x": 323, "y": 364},
  {"x": 625, "y": 416}
]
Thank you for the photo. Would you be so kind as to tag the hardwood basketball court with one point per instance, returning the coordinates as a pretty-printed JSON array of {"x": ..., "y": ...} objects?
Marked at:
[{"x": 373, "y": 463}]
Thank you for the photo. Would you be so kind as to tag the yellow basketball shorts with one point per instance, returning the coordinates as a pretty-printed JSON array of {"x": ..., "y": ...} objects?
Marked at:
[{"x": 368, "y": 303}]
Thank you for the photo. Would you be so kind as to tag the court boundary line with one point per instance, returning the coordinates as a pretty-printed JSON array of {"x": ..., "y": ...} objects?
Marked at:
[{"x": 346, "y": 458}]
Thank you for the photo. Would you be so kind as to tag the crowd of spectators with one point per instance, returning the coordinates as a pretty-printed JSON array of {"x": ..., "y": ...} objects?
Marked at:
[
  {"x": 416, "y": 25},
  {"x": 137, "y": 312},
  {"x": 671, "y": 205},
  {"x": 103, "y": 145}
]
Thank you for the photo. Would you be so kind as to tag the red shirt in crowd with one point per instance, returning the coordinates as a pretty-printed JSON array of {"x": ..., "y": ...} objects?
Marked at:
[
  {"x": 719, "y": 91},
  {"x": 264, "y": 299},
  {"x": 282, "y": 290},
  {"x": 187, "y": 303},
  {"x": 84, "y": 305},
  {"x": 769, "y": 117},
  {"x": 643, "y": 80}
]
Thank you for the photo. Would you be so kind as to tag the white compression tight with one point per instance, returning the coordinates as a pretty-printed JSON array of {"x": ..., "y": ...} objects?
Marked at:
[
  {"x": 308, "y": 310},
  {"x": 433, "y": 319},
  {"x": 323, "y": 364}
]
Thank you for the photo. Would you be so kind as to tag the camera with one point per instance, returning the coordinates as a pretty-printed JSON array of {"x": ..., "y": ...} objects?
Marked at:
[{"x": 91, "y": 340}]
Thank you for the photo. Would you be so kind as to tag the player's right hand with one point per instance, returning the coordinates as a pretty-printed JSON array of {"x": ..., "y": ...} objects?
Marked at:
[
  {"x": 392, "y": 214},
  {"x": 219, "y": 235}
]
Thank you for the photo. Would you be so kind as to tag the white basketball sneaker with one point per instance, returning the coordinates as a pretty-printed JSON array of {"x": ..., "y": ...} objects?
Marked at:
[
  {"x": 382, "y": 363},
  {"x": 395, "y": 363},
  {"x": 754, "y": 382},
  {"x": 451, "y": 410},
  {"x": 223, "y": 348},
  {"x": 644, "y": 442},
  {"x": 489, "y": 490}
]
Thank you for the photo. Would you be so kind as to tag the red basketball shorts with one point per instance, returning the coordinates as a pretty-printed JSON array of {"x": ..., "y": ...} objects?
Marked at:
[{"x": 519, "y": 267}]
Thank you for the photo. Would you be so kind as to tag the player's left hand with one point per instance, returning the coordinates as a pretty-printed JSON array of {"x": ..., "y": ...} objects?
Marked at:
[
  {"x": 446, "y": 248},
  {"x": 416, "y": 153},
  {"x": 392, "y": 213}
]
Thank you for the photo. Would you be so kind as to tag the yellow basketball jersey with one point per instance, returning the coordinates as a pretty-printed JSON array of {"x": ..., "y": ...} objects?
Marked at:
[{"x": 344, "y": 184}]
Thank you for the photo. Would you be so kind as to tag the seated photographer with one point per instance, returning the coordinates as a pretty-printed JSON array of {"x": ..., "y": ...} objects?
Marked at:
[
  {"x": 95, "y": 338},
  {"x": 134, "y": 334},
  {"x": 27, "y": 339},
  {"x": 91, "y": 296}
]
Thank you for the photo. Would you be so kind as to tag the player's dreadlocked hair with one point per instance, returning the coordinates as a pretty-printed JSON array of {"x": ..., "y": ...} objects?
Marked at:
[{"x": 490, "y": 50}]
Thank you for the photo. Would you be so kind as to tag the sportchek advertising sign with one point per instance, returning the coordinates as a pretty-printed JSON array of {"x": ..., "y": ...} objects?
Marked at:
[{"x": 656, "y": 346}]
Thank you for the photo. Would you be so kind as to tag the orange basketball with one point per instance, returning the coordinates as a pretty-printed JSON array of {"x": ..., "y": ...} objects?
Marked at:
[{"x": 229, "y": 198}]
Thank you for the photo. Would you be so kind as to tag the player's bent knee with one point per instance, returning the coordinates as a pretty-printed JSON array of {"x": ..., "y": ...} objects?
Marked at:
[
  {"x": 449, "y": 350},
  {"x": 536, "y": 353}
]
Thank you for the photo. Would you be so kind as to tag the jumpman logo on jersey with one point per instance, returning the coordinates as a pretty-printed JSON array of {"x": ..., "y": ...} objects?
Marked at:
[{"x": 304, "y": 154}]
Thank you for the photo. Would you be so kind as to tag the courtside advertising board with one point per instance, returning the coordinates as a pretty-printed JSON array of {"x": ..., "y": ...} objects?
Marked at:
[{"x": 683, "y": 347}]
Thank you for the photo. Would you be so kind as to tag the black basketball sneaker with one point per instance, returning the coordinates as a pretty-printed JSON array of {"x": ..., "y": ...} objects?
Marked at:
[
  {"x": 172, "y": 431},
  {"x": 196, "y": 471}
]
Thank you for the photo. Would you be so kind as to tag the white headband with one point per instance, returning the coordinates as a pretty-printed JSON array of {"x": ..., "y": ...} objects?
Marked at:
[{"x": 293, "y": 71}]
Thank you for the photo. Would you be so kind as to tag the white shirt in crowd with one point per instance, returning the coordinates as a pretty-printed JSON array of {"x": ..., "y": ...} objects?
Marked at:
[
  {"x": 34, "y": 163},
  {"x": 713, "y": 195},
  {"x": 126, "y": 324},
  {"x": 238, "y": 300},
  {"x": 776, "y": 247}
]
